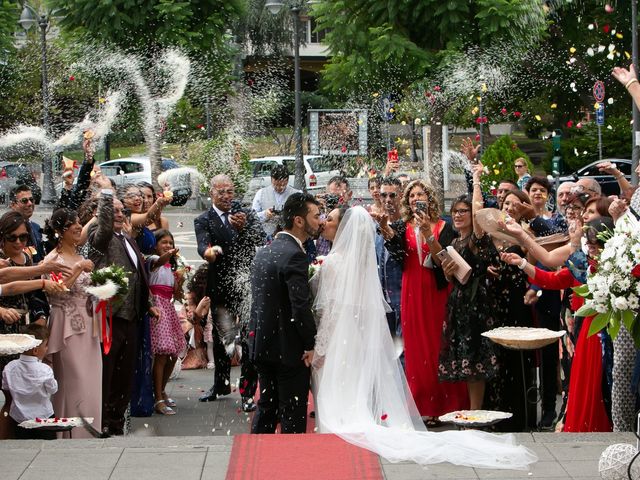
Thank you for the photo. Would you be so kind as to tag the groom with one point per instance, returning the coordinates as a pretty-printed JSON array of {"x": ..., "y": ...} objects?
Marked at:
[{"x": 282, "y": 329}]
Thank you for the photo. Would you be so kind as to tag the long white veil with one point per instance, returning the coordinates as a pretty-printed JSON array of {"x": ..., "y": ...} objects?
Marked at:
[{"x": 362, "y": 392}]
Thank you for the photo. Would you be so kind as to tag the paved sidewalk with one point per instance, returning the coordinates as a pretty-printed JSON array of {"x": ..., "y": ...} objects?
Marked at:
[{"x": 196, "y": 444}]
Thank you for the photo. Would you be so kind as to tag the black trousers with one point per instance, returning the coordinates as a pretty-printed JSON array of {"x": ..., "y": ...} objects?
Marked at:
[
  {"x": 222, "y": 374},
  {"x": 117, "y": 373},
  {"x": 283, "y": 398},
  {"x": 548, "y": 316}
]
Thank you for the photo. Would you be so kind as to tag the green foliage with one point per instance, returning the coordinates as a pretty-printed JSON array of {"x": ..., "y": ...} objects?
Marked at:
[
  {"x": 580, "y": 146},
  {"x": 395, "y": 43},
  {"x": 9, "y": 15},
  {"x": 498, "y": 160}
]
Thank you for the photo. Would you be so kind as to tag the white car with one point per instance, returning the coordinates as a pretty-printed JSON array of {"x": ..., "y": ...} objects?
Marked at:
[
  {"x": 138, "y": 169},
  {"x": 318, "y": 171}
]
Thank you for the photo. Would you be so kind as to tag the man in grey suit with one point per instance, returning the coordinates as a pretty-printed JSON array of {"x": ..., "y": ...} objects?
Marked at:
[
  {"x": 282, "y": 329},
  {"x": 110, "y": 245}
]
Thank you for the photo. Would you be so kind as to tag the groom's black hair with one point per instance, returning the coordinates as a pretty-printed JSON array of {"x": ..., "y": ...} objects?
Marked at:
[{"x": 297, "y": 205}]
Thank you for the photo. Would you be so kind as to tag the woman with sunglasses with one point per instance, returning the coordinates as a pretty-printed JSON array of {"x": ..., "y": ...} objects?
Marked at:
[
  {"x": 588, "y": 404},
  {"x": 14, "y": 235},
  {"x": 414, "y": 241},
  {"x": 522, "y": 171}
]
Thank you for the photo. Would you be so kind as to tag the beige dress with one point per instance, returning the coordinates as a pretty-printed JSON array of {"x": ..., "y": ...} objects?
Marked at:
[{"x": 74, "y": 350}]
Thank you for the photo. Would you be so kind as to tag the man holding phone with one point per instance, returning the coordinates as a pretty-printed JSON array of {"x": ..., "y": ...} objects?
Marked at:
[{"x": 269, "y": 200}]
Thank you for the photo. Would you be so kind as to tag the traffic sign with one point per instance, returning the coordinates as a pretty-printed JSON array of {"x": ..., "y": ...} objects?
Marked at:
[
  {"x": 598, "y": 91},
  {"x": 600, "y": 114}
]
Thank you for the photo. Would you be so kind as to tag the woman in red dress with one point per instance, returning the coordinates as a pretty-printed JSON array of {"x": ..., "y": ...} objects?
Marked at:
[
  {"x": 586, "y": 410},
  {"x": 423, "y": 299}
]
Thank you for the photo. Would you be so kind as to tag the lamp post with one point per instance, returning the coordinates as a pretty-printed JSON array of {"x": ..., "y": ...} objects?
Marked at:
[
  {"x": 274, "y": 6},
  {"x": 635, "y": 153},
  {"x": 28, "y": 18}
]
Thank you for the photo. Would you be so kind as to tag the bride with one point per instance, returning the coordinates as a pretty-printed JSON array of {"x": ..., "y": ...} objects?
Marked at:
[{"x": 360, "y": 389}]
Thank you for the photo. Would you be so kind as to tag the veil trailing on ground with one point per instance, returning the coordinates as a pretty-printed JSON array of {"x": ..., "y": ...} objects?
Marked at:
[{"x": 361, "y": 391}]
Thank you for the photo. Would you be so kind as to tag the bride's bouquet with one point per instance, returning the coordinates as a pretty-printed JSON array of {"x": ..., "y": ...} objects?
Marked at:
[
  {"x": 315, "y": 266},
  {"x": 109, "y": 287},
  {"x": 612, "y": 291}
]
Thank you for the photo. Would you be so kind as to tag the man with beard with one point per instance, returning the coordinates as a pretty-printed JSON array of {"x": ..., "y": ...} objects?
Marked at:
[{"x": 282, "y": 329}]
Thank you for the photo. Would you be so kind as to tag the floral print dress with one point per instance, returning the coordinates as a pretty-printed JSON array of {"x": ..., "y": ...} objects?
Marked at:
[{"x": 472, "y": 309}]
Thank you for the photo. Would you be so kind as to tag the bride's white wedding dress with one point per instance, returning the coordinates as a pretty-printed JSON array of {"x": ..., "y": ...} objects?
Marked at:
[{"x": 360, "y": 389}]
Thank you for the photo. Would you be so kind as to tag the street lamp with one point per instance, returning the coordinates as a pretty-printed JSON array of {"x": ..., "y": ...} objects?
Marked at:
[
  {"x": 28, "y": 18},
  {"x": 274, "y": 6}
]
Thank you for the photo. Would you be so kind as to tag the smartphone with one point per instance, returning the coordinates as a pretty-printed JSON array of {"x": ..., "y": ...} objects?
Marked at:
[
  {"x": 127, "y": 213},
  {"x": 443, "y": 255},
  {"x": 421, "y": 206}
]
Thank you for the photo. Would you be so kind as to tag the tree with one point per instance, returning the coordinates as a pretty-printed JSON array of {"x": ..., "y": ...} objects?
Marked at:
[{"x": 9, "y": 14}]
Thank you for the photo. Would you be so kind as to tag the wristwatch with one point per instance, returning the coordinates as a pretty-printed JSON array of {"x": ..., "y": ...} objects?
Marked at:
[{"x": 431, "y": 239}]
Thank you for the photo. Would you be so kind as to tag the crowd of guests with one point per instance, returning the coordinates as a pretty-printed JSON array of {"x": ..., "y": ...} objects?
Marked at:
[{"x": 521, "y": 275}]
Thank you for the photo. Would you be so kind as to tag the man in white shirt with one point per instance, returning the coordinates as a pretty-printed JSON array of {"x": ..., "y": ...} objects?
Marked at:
[
  {"x": 30, "y": 384},
  {"x": 269, "y": 200}
]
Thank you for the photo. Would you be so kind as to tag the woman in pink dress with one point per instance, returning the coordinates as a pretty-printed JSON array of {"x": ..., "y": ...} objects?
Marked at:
[
  {"x": 424, "y": 299},
  {"x": 74, "y": 341},
  {"x": 167, "y": 339}
]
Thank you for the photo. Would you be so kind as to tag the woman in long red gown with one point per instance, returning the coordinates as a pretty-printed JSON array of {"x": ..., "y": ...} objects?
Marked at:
[{"x": 424, "y": 300}]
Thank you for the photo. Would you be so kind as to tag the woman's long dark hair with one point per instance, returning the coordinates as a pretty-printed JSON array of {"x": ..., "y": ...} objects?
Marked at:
[{"x": 159, "y": 235}]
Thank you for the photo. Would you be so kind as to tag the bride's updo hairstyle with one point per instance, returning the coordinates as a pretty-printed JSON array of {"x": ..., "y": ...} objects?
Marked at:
[
  {"x": 60, "y": 221},
  {"x": 433, "y": 208},
  {"x": 297, "y": 205}
]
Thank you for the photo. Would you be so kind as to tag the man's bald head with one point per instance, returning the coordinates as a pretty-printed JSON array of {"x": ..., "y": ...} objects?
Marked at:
[
  {"x": 565, "y": 195},
  {"x": 591, "y": 187}
]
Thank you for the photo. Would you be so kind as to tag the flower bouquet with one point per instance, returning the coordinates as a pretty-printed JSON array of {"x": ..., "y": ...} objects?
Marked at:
[
  {"x": 315, "y": 266},
  {"x": 612, "y": 291},
  {"x": 109, "y": 286}
]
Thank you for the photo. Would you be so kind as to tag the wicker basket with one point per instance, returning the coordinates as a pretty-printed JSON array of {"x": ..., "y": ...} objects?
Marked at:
[{"x": 523, "y": 338}]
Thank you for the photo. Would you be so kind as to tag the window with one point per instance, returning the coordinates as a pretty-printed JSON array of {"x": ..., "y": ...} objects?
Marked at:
[
  {"x": 624, "y": 167},
  {"x": 314, "y": 36},
  {"x": 263, "y": 169},
  {"x": 131, "y": 167}
]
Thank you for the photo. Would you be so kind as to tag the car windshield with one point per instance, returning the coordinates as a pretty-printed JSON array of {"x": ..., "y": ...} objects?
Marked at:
[{"x": 320, "y": 164}]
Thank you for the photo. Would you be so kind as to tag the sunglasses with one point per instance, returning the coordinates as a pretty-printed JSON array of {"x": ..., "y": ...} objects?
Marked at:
[
  {"x": 390, "y": 194},
  {"x": 519, "y": 166},
  {"x": 25, "y": 200},
  {"x": 22, "y": 238}
]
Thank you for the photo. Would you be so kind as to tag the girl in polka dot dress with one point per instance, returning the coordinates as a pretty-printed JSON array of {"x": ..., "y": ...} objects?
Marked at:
[{"x": 167, "y": 338}]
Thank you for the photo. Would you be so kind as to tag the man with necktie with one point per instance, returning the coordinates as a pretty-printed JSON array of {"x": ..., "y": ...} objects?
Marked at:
[
  {"x": 110, "y": 245},
  {"x": 228, "y": 236}
]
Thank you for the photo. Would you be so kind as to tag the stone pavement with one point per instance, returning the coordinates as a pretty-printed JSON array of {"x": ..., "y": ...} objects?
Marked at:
[{"x": 196, "y": 444}]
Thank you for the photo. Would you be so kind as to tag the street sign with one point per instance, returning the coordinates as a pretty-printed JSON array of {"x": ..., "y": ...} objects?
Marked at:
[
  {"x": 386, "y": 106},
  {"x": 600, "y": 115},
  {"x": 598, "y": 91}
]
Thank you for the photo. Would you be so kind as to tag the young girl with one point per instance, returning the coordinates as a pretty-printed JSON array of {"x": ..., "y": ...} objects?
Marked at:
[{"x": 167, "y": 339}]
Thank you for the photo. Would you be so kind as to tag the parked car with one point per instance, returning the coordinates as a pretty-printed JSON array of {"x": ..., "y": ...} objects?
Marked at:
[
  {"x": 607, "y": 182},
  {"x": 138, "y": 169},
  {"x": 13, "y": 174},
  {"x": 318, "y": 171}
]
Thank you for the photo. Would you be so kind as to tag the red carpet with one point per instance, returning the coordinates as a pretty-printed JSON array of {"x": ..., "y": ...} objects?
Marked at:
[{"x": 294, "y": 457}]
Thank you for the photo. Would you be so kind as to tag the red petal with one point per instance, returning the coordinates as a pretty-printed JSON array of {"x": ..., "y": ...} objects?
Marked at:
[{"x": 384, "y": 416}]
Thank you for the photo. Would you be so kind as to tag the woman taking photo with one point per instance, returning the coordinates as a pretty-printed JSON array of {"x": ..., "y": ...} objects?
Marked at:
[{"x": 414, "y": 240}]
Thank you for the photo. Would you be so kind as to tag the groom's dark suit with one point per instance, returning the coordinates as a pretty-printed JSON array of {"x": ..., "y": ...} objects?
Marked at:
[{"x": 281, "y": 329}]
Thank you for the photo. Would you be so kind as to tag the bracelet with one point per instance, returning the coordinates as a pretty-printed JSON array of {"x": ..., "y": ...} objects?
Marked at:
[
  {"x": 476, "y": 184},
  {"x": 633, "y": 80},
  {"x": 523, "y": 264}
]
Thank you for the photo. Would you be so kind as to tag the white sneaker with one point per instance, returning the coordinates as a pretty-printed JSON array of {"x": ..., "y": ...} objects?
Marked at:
[{"x": 211, "y": 366}]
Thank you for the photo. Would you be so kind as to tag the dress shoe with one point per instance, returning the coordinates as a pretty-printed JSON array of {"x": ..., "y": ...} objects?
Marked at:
[
  {"x": 248, "y": 405},
  {"x": 213, "y": 393},
  {"x": 546, "y": 423}
]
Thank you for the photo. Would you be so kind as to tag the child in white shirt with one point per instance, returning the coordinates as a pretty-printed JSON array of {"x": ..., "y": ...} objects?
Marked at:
[{"x": 30, "y": 384}]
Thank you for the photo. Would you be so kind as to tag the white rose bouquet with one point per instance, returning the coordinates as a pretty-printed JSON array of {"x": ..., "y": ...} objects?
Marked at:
[
  {"x": 612, "y": 291},
  {"x": 109, "y": 286}
]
